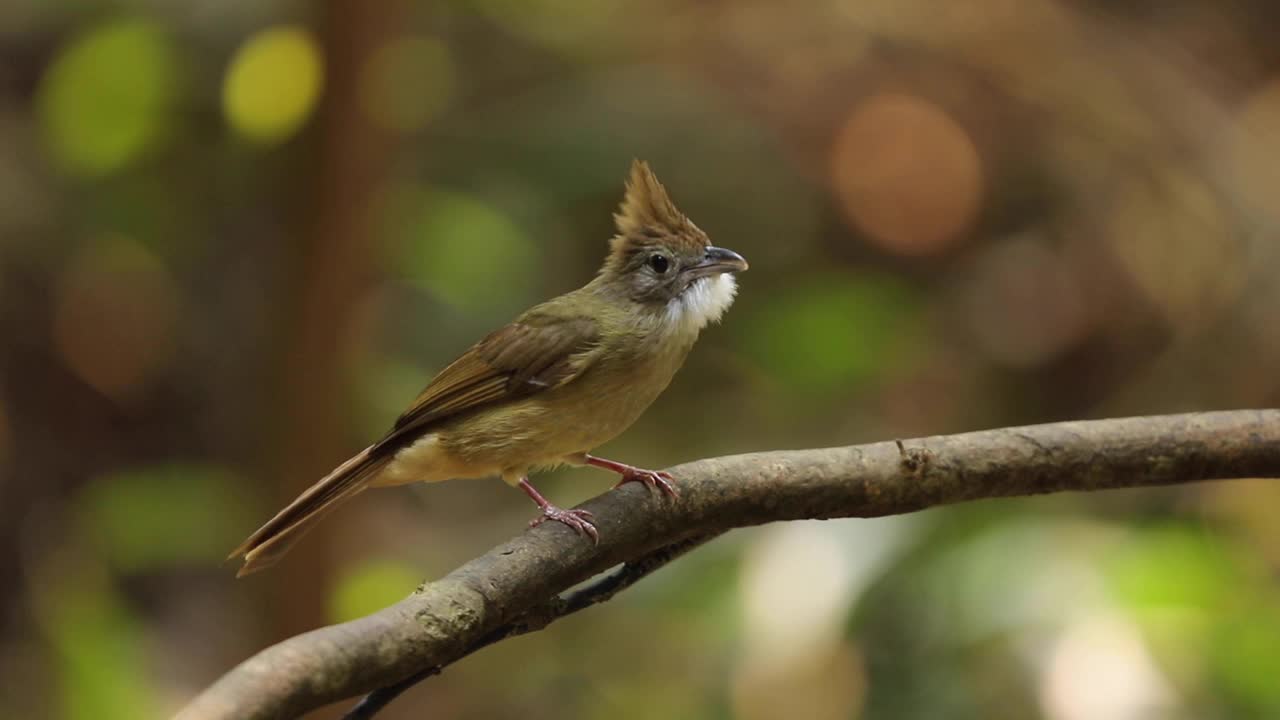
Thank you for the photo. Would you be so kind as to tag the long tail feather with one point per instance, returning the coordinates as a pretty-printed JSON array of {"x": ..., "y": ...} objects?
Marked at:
[{"x": 266, "y": 546}]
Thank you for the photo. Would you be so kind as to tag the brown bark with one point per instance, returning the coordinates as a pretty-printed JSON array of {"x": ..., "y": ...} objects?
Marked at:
[
  {"x": 330, "y": 263},
  {"x": 515, "y": 587}
]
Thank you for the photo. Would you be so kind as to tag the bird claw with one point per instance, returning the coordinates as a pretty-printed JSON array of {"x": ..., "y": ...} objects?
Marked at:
[
  {"x": 652, "y": 479},
  {"x": 579, "y": 520}
]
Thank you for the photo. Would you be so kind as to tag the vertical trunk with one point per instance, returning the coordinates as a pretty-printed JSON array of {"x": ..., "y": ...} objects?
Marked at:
[{"x": 329, "y": 267}]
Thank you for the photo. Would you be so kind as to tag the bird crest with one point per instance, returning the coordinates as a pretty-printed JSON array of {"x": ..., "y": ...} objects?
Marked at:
[{"x": 647, "y": 215}]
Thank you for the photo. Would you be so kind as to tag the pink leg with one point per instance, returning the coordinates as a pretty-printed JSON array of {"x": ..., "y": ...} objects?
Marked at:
[
  {"x": 651, "y": 478},
  {"x": 579, "y": 520}
]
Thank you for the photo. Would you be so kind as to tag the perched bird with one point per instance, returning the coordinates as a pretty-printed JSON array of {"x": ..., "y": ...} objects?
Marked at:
[{"x": 565, "y": 377}]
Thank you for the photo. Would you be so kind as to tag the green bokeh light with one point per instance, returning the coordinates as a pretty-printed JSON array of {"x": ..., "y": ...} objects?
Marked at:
[
  {"x": 407, "y": 82},
  {"x": 459, "y": 248},
  {"x": 166, "y": 516},
  {"x": 1172, "y": 568},
  {"x": 108, "y": 96},
  {"x": 833, "y": 332},
  {"x": 568, "y": 26},
  {"x": 389, "y": 385},
  {"x": 1246, "y": 657},
  {"x": 371, "y": 587},
  {"x": 1199, "y": 603},
  {"x": 273, "y": 84},
  {"x": 102, "y": 664}
]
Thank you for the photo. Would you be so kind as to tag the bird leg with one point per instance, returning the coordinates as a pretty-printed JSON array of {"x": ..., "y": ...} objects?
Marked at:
[
  {"x": 651, "y": 478},
  {"x": 579, "y": 520}
]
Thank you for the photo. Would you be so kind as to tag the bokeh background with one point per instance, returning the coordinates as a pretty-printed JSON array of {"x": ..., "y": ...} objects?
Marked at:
[{"x": 237, "y": 237}]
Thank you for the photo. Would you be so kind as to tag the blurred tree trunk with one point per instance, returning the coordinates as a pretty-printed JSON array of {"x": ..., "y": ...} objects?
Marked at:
[{"x": 328, "y": 269}]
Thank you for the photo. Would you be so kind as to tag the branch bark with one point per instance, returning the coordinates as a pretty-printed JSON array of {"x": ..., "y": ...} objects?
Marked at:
[{"x": 515, "y": 587}]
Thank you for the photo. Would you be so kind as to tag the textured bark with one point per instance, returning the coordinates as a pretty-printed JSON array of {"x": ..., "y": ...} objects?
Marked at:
[{"x": 515, "y": 586}]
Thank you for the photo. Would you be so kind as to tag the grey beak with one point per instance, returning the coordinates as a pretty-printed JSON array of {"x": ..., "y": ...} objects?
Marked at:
[{"x": 719, "y": 260}]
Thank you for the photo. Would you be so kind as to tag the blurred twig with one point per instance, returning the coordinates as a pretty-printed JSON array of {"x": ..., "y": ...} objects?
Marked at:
[{"x": 515, "y": 587}]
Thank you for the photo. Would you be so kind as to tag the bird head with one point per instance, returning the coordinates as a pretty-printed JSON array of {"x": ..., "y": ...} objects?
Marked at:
[{"x": 659, "y": 257}]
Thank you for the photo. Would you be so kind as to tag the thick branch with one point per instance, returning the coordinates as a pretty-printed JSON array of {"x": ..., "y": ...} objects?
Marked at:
[
  {"x": 594, "y": 593},
  {"x": 517, "y": 581}
]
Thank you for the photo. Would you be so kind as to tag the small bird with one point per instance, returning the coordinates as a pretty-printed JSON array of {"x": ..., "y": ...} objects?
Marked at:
[{"x": 566, "y": 376}]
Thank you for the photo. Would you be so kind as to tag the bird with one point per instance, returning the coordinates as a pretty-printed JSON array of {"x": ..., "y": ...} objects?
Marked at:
[{"x": 546, "y": 389}]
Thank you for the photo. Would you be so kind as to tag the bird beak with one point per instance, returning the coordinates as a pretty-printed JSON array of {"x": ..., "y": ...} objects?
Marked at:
[{"x": 716, "y": 261}]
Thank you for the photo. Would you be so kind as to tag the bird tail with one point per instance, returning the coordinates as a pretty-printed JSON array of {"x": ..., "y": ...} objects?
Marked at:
[{"x": 271, "y": 541}]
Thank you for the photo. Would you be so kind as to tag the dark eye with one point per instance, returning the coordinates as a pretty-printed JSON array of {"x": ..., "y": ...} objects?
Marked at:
[{"x": 659, "y": 263}]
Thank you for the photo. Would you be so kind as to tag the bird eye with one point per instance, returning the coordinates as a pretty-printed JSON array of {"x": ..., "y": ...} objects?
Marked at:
[{"x": 659, "y": 263}]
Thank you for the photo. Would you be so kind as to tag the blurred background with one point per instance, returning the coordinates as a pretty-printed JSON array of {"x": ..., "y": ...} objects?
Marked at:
[{"x": 237, "y": 237}]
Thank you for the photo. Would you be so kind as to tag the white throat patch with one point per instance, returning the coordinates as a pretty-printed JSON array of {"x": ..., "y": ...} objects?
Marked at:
[{"x": 701, "y": 303}]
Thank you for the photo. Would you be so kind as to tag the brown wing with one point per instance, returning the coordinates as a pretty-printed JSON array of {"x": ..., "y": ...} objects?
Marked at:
[{"x": 530, "y": 355}]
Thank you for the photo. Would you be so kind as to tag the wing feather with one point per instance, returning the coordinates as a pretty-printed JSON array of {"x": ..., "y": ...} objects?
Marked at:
[{"x": 528, "y": 356}]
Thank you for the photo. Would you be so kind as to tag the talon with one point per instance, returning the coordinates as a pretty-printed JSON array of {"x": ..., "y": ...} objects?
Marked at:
[
  {"x": 652, "y": 479},
  {"x": 579, "y": 520}
]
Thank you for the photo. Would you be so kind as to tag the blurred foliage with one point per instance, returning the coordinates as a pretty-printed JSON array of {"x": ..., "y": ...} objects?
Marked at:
[
  {"x": 435, "y": 232},
  {"x": 122, "y": 76},
  {"x": 833, "y": 332},
  {"x": 235, "y": 237},
  {"x": 371, "y": 587},
  {"x": 420, "y": 62},
  {"x": 192, "y": 508},
  {"x": 101, "y": 664}
]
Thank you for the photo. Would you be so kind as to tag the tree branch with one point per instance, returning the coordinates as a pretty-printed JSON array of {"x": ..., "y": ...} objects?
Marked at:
[
  {"x": 539, "y": 617},
  {"x": 515, "y": 587}
]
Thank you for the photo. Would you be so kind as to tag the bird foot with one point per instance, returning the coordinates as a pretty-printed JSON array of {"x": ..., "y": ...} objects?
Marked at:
[
  {"x": 579, "y": 520},
  {"x": 652, "y": 479},
  {"x": 630, "y": 473}
]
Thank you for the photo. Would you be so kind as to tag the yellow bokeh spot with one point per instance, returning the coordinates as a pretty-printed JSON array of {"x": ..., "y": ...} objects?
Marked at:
[
  {"x": 107, "y": 96},
  {"x": 273, "y": 84}
]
